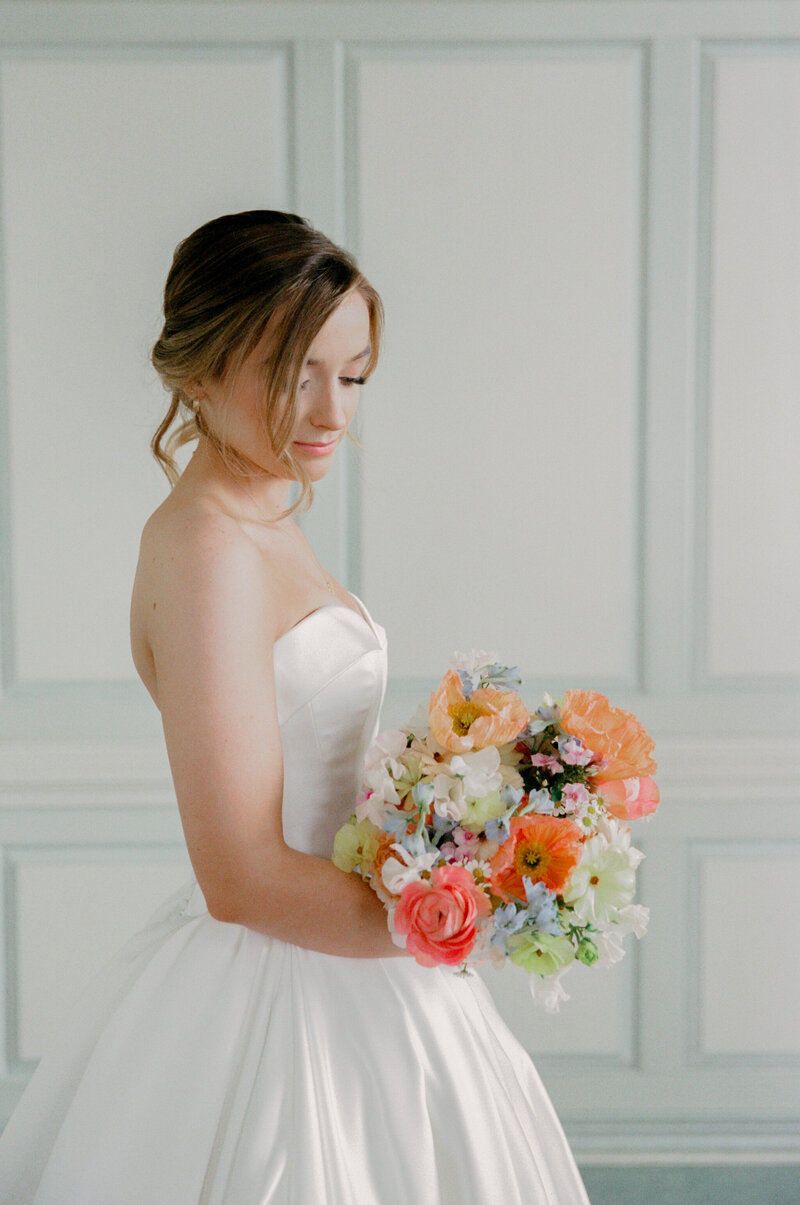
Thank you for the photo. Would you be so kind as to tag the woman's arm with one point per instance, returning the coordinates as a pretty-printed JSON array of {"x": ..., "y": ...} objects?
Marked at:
[{"x": 212, "y": 628}]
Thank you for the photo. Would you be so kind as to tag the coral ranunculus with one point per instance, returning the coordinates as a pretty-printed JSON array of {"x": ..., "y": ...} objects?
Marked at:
[
  {"x": 544, "y": 849},
  {"x": 610, "y": 731},
  {"x": 487, "y": 717},
  {"x": 438, "y": 916},
  {"x": 630, "y": 798}
]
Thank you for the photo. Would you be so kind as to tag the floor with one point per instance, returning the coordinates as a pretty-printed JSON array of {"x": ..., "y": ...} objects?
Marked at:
[{"x": 700, "y": 1185}]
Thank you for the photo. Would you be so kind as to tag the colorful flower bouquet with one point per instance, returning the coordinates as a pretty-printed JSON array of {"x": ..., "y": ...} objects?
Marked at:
[{"x": 493, "y": 833}]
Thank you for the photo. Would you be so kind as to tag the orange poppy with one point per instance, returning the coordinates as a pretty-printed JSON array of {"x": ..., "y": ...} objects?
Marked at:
[
  {"x": 544, "y": 849},
  {"x": 488, "y": 717}
]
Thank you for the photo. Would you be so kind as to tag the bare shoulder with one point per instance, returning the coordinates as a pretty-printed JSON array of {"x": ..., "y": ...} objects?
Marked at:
[{"x": 195, "y": 566}]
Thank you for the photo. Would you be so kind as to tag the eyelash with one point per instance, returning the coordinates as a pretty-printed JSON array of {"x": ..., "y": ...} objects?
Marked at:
[{"x": 347, "y": 381}]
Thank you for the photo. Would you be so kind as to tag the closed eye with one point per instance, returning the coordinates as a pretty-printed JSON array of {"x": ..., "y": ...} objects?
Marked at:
[{"x": 344, "y": 380}]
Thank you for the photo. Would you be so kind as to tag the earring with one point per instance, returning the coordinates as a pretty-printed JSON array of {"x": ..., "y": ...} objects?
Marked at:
[{"x": 194, "y": 403}]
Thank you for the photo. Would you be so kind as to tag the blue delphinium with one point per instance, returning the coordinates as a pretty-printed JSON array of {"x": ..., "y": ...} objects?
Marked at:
[
  {"x": 539, "y": 801},
  {"x": 540, "y": 915},
  {"x": 396, "y": 823},
  {"x": 509, "y": 795},
  {"x": 466, "y": 683},
  {"x": 542, "y": 908},
  {"x": 422, "y": 793},
  {"x": 504, "y": 677},
  {"x": 498, "y": 829},
  {"x": 443, "y": 824},
  {"x": 548, "y": 710},
  {"x": 507, "y": 919}
]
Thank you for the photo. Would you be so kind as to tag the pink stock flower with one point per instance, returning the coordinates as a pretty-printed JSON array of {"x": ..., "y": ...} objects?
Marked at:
[
  {"x": 546, "y": 762},
  {"x": 574, "y": 796},
  {"x": 630, "y": 798},
  {"x": 438, "y": 916}
]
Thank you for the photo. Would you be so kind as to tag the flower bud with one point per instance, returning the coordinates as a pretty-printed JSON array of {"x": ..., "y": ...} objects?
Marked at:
[{"x": 587, "y": 952}]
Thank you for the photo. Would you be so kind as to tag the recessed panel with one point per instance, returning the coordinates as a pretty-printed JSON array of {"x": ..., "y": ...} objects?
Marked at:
[
  {"x": 499, "y": 215},
  {"x": 750, "y": 953},
  {"x": 71, "y": 919},
  {"x": 596, "y": 1019},
  {"x": 754, "y": 416},
  {"x": 106, "y": 165}
]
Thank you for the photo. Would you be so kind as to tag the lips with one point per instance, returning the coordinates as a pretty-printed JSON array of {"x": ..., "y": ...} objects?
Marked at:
[
  {"x": 317, "y": 449},
  {"x": 303, "y": 444}
]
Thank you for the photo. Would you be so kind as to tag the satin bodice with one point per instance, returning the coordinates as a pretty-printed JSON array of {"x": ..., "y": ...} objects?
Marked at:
[{"x": 330, "y": 681}]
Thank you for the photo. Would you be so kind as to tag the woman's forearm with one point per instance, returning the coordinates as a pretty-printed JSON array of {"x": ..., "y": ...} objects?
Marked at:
[{"x": 306, "y": 900}]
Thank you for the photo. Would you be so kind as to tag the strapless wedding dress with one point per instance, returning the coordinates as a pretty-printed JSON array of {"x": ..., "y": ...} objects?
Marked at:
[{"x": 209, "y": 1064}]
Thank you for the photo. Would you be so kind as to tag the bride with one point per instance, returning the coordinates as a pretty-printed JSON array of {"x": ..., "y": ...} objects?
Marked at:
[{"x": 262, "y": 1041}]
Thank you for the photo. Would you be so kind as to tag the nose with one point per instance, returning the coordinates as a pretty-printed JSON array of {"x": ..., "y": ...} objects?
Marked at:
[{"x": 329, "y": 409}]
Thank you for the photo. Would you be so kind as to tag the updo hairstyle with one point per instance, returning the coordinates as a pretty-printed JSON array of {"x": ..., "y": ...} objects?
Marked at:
[{"x": 228, "y": 280}]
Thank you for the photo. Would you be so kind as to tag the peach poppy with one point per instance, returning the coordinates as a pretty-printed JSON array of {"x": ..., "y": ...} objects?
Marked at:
[
  {"x": 488, "y": 717},
  {"x": 385, "y": 850},
  {"x": 615, "y": 734},
  {"x": 630, "y": 798},
  {"x": 544, "y": 849}
]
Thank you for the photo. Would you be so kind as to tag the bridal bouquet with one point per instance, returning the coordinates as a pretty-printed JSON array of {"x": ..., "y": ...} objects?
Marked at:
[{"x": 492, "y": 833}]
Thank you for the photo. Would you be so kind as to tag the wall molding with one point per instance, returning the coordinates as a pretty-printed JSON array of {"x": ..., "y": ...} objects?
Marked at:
[{"x": 710, "y": 51}]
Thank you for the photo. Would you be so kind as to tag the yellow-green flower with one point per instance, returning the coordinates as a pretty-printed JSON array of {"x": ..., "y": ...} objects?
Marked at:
[
  {"x": 356, "y": 842},
  {"x": 540, "y": 952},
  {"x": 480, "y": 810}
]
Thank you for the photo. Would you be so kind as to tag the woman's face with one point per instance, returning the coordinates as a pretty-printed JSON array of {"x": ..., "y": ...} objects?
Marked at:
[{"x": 327, "y": 399}]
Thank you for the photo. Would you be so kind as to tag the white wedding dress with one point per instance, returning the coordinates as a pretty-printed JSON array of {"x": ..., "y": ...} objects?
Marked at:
[{"x": 209, "y": 1064}]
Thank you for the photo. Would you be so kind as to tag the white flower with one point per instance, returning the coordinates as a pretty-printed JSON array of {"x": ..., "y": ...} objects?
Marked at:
[
  {"x": 419, "y": 723},
  {"x": 484, "y": 951},
  {"x": 391, "y": 743},
  {"x": 634, "y": 918},
  {"x": 449, "y": 797},
  {"x": 473, "y": 661},
  {"x": 619, "y": 835},
  {"x": 549, "y": 991},
  {"x": 370, "y": 807},
  {"x": 397, "y": 874},
  {"x": 399, "y": 939},
  {"x": 478, "y": 771},
  {"x": 381, "y": 768},
  {"x": 605, "y": 878},
  {"x": 609, "y": 948}
]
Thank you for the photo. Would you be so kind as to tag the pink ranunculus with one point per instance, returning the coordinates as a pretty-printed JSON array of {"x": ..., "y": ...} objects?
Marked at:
[
  {"x": 438, "y": 916},
  {"x": 630, "y": 798}
]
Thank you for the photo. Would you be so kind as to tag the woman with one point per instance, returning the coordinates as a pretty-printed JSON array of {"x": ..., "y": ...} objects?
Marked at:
[{"x": 262, "y": 1041}]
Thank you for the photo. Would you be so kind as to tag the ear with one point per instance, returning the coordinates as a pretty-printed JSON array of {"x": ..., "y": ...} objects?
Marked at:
[{"x": 195, "y": 389}]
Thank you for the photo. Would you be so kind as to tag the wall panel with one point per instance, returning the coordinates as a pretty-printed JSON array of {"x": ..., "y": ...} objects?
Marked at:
[
  {"x": 503, "y": 429},
  {"x": 106, "y": 162},
  {"x": 752, "y": 474},
  {"x": 749, "y": 950}
]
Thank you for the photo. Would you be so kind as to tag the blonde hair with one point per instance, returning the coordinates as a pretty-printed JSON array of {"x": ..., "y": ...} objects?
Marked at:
[{"x": 229, "y": 280}]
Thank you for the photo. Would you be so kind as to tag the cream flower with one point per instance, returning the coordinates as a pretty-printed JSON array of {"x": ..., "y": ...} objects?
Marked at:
[
  {"x": 479, "y": 771},
  {"x": 549, "y": 992},
  {"x": 634, "y": 918},
  {"x": 609, "y": 948},
  {"x": 449, "y": 798},
  {"x": 604, "y": 881},
  {"x": 407, "y": 868}
]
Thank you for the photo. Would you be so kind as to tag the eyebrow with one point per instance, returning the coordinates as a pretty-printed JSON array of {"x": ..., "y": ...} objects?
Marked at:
[{"x": 360, "y": 356}]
